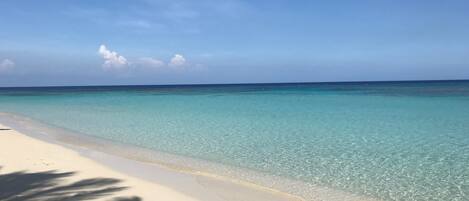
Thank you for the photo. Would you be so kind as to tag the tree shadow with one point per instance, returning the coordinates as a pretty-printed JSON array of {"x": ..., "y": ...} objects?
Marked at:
[
  {"x": 46, "y": 186},
  {"x": 134, "y": 198}
]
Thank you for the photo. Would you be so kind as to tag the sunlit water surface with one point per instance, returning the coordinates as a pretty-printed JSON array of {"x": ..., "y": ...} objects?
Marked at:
[{"x": 392, "y": 141}]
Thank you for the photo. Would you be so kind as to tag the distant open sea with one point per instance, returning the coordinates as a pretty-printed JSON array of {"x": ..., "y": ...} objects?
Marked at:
[{"x": 387, "y": 140}]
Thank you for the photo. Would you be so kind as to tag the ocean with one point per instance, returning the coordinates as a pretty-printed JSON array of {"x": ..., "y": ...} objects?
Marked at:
[{"x": 386, "y": 140}]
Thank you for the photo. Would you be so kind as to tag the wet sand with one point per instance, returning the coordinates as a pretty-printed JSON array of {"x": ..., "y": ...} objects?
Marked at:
[{"x": 34, "y": 168}]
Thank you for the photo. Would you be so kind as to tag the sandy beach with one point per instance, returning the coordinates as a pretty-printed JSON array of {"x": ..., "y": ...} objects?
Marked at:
[{"x": 32, "y": 169}]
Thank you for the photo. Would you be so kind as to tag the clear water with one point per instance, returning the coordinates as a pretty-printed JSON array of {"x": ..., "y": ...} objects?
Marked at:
[{"x": 392, "y": 141}]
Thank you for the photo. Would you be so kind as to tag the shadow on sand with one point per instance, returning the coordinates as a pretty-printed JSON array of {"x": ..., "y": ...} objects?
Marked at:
[{"x": 46, "y": 186}]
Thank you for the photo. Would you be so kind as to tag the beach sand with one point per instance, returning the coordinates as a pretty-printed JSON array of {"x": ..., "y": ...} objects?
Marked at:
[{"x": 36, "y": 169}]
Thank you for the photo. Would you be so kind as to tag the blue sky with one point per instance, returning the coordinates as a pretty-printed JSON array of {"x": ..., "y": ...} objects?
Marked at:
[{"x": 87, "y": 42}]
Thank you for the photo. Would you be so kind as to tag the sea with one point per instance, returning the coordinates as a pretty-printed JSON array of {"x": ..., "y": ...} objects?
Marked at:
[{"x": 405, "y": 140}]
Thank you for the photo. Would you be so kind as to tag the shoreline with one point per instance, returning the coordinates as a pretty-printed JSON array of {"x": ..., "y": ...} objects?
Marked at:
[
  {"x": 40, "y": 170},
  {"x": 139, "y": 165},
  {"x": 154, "y": 182}
]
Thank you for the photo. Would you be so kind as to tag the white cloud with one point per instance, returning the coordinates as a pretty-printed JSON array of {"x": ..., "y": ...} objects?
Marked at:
[
  {"x": 177, "y": 60},
  {"x": 150, "y": 62},
  {"x": 6, "y": 64},
  {"x": 112, "y": 60}
]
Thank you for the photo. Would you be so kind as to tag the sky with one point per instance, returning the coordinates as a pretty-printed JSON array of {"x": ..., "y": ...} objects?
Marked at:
[{"x": 133, "y": 42}]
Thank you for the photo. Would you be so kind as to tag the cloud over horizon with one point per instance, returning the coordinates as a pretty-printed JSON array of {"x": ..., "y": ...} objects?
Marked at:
[
  {"x": 115, "y": 61},
  {"x": 150, "y": 62},
  {"x": 177, "y": 61},
  {"x": 6, "y": 64},
  {"x": 112, "y": 60}
]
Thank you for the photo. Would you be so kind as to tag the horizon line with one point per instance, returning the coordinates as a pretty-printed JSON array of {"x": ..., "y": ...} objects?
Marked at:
[{"x": 241, "y": 83}]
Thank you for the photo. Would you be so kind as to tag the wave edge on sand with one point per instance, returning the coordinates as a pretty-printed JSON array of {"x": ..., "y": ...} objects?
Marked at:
[{"x": 217, "y": 177}]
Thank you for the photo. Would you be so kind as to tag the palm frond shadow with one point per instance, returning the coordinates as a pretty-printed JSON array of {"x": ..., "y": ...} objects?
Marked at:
[
  {"x": 47, "y": 186},
  {"x": 134, "y": 198}
]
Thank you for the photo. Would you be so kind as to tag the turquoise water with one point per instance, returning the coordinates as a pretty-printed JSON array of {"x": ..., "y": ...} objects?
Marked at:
[{"x": 392, "y": 140}]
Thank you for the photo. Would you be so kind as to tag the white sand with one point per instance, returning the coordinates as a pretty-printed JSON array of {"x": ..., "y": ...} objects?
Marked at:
[{"x": 19, "y": 152}]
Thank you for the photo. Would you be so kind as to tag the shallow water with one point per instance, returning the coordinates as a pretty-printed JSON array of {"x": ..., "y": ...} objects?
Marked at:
[{"x": 392, "y": 141}]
